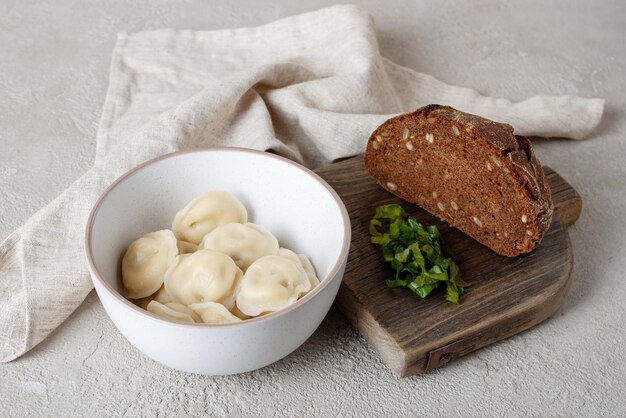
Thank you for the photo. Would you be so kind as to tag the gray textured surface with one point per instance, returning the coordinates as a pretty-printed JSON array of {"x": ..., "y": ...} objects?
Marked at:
[{"x": 54, "y": 60}]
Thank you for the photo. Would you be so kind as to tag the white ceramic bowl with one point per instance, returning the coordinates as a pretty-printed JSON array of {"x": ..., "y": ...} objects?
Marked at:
[{"x": 295, "y": 204}]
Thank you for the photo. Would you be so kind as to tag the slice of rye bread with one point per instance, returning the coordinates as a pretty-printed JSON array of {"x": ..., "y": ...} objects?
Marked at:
[{"x": 471, "y": 172}]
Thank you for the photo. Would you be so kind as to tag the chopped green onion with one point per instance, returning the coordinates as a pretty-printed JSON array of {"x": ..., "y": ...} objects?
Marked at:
[{"x": 415, "y": 253}]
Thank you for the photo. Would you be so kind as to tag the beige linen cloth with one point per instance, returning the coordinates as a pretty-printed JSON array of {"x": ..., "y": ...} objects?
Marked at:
[{"x": 310, "y": 87}]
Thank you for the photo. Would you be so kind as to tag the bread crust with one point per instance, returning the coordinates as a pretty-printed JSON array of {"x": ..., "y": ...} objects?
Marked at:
[{"x": 514, "y": 154}]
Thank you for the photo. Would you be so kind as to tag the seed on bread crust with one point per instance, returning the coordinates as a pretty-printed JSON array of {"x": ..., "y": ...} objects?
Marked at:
[
  {"x": 409, "y": 146},
  {"x": 455, "y": 130},
  {"x": 405, "y": 134},
  {"x": 477, "y": 221},
  {"x": 497, "y": 162},
  {"x": 392, "y": 186},
  {"x": 441, "y": 206}
]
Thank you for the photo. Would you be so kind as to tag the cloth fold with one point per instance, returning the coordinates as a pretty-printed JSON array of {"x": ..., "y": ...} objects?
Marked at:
[{"x": 309, "y": 87}]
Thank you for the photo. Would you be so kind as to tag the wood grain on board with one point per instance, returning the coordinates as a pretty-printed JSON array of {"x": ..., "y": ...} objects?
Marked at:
[{"x": 507, "y": 296}]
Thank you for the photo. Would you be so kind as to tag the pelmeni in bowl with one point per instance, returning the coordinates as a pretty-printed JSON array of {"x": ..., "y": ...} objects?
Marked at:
[{"x": 292, "y": 203}]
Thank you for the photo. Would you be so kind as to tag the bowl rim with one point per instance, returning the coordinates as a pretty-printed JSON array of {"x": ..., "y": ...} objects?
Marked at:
[{"x": 324, "y": 282}]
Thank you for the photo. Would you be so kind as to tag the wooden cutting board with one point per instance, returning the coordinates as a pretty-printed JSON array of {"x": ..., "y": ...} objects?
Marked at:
[{"x": 507, "y": 296}]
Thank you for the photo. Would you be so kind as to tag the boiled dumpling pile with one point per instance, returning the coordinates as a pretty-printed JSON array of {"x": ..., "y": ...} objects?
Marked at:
[{"x": 214, "y": 266}]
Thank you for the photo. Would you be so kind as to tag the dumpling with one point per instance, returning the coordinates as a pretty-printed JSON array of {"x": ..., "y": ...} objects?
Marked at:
[
  {"x": 185, "y": 247},
  {"x": 214, "y": 313},
  {"x": 207, "y": 212},
  {"x": 160, "y": 296},
  {"x": 244, "y": 243},
  {"x": 304, "y": 262},
  {"x": 204, "y": 276},
  {"x": 271, "y": 283},
  {"x": 145, "y": 263},
  {"x": 237, "y": 312},
  {"x": 184, "y": 309},
  {"x": 143, "y": 302},
  {"x": 172, "y": 311}
]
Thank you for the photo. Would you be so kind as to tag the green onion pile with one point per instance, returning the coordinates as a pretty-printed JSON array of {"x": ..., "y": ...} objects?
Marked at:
[{"x": 414, "y": 252}]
